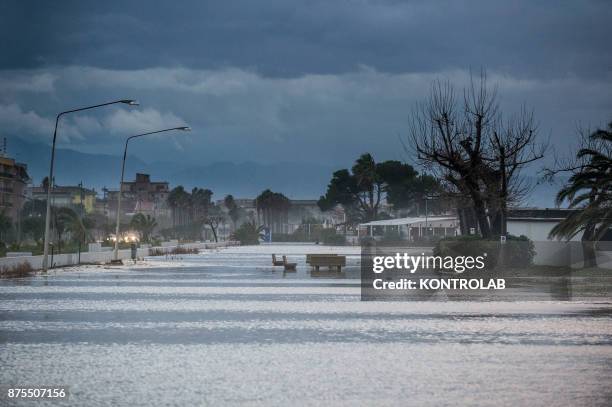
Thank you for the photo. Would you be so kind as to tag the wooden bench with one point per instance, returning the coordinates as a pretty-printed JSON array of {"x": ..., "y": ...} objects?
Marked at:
[
  {"x": 287, "y": 265},
  {"x": 308, "y": 256},
  {"x": 276, "y": 262},
  {"x": 327, "y": 260}
]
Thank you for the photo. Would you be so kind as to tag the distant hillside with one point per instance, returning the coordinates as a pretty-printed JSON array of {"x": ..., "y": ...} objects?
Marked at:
[
  {"x": 71, "y": 167},
  {"x": 241, "y": 180},
  {"x": 296, "y": 180}
]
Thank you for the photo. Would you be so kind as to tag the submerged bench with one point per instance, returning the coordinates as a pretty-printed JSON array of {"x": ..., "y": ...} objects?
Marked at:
[
  {"x": 288, "y": 266},
  {"x": 276, "y": 262},
  {"x": 283, "y": 262},
  {"x": 308, "y": 256},
  {"x": 326, "y": 260}
]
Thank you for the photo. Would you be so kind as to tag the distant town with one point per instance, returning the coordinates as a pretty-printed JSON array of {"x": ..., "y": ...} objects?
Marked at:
[
  {"x": 464, "y": 187},
  {"x": 173, "y": 211}
]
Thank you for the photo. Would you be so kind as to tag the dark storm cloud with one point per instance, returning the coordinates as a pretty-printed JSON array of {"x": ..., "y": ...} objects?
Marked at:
[
  {"x": 319, "y": 81},
  {"x": 289, "y": 38}
]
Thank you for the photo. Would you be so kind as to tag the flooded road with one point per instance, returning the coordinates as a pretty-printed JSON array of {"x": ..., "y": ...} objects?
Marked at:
[{"x": 226, "y": 328}]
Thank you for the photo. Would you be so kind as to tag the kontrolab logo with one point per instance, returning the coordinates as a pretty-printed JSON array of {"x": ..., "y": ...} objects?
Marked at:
[{"x": 404, "y": 261}]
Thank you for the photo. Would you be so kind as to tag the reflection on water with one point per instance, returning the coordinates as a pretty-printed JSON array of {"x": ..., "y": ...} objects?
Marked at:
[
  {"x": 229, "y": 328},
  {"x": 327, "y": 274}
]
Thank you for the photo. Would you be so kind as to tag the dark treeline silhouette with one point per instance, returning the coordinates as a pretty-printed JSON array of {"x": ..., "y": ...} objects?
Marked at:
[
  {"x": 362, "y": 190},
  {"x": 273, "y": 210}
]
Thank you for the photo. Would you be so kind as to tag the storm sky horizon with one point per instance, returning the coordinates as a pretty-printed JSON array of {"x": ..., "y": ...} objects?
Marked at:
[{"x": 306, "y": 81}]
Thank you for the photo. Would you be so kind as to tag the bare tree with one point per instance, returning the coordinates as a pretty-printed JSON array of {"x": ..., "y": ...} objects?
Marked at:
[
  {"x": 468, "y": 144},
  {"x": 213, "y": 219}
]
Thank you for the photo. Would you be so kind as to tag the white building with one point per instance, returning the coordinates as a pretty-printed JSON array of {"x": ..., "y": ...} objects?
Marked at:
[
  {"x": 534, "y": 223},
  {"x": 413, "y": 228}
]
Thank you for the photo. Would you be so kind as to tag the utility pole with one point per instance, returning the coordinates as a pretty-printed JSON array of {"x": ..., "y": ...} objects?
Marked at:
[
  {"x": 82, "y": 211},
  {"x": 504, "y": 197},
  {"x": 127, "y": 140},
  {"x": 45, "y": 263},
  {"x": 426, "y": 214}
]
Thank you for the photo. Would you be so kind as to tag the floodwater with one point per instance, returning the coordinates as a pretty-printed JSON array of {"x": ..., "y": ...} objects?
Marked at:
[{"x": 227, "y": 328}]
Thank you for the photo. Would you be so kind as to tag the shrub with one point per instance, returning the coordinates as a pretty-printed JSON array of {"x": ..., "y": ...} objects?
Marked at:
[
  {"x": 519, "y": 251},
  {"x": 174, "y": 250},
  {"x": 18, "y": 270},
  {"x": 248, "y": 234},
  {"x": 391, "y": 236},
  {"x": 367, "y": 241},
  {"x": 330, "y": 237},
  {"x": 283, "y": 237}
]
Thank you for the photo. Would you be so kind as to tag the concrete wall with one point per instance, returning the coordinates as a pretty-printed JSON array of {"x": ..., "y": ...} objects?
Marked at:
[
  {"x": 557, "y": 253},
  {"x": 567, "y": 254},
  {"x": 536, "y": 230},
  {"x": 71, "y": 259}
]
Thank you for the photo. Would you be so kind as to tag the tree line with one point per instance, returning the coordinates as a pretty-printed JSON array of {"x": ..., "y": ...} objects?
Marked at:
[{"x": 474, "y": 158}]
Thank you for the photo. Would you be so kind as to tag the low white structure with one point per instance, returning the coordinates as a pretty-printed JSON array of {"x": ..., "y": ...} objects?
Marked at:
[
  {"x": 71, "y": 259},
  {"x": 537, "y": 223},
  {"x": 412, "y": 228}
]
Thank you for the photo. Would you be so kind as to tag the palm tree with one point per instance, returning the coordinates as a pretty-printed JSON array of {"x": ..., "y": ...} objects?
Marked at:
[
  {"x": 589, "y": 190},
  {"x": 200, "y": 202},
  {"x": 273, "y": 207},
  {"x": 144, "y": 225},
  {"x": 67, "y": 221},
  {"x": 248, "y": 233},
  {"x": 232, "y": 209},
  {"x": 368, "y": 182},
  {"x": 179, "y": 202}
]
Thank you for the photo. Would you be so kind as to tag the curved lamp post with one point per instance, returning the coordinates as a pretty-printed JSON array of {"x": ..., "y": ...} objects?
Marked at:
[
  {"x": 45, "y": 264},
  {"x": 116, "y": 251}
]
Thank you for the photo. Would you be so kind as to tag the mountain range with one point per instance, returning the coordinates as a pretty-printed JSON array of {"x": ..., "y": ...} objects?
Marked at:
[
  {"x": 247, "y": 179},
  {"x": 243, "y": 180}
]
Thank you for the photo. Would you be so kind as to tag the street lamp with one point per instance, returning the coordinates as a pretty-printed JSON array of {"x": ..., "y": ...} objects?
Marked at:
[
  {"x": 45, "y": 264},
  {"x": 116, "y": 252},
  {"x": 427, "y": 198}
]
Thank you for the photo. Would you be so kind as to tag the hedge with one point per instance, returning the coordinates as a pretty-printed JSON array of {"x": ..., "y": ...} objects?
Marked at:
[{"x": 519, "y": 251}]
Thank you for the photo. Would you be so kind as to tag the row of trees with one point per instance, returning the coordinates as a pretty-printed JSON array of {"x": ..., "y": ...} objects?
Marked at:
[
  {"x": 362, "y": 189},
  {"x": 191, "y": 211},
  {"x": 67, "y": 225},
  {"x": 272, "y": 209},
  {"x": 195, "y": 210},
  {"x": 474, "y": 158},
  {"x": 188, "y": 207},
  {"x": 472, "y": 154}
]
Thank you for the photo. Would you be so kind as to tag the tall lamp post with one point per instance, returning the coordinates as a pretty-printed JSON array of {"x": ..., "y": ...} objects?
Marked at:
[
  {"x": 116, "y": 252},
  {"x": 45, "y": 264},
  {"x": 427, "y": 198}
]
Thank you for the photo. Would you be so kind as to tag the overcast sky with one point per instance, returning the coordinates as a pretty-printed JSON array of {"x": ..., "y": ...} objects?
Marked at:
[{"x": 311, "y": 81}]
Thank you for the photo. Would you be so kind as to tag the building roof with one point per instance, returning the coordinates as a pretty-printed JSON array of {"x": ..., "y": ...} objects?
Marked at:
[
  {"x": 539, "y": 214},
  {"x": 68, "y": 189},
  {"x": 305, "y": 202},
  {"x": 21, "y": 169},
  {"x": 410, "y": 221}
]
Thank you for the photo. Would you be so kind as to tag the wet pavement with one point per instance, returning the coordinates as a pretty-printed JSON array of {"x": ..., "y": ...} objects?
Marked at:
[{"x": 226, "y": 328}]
